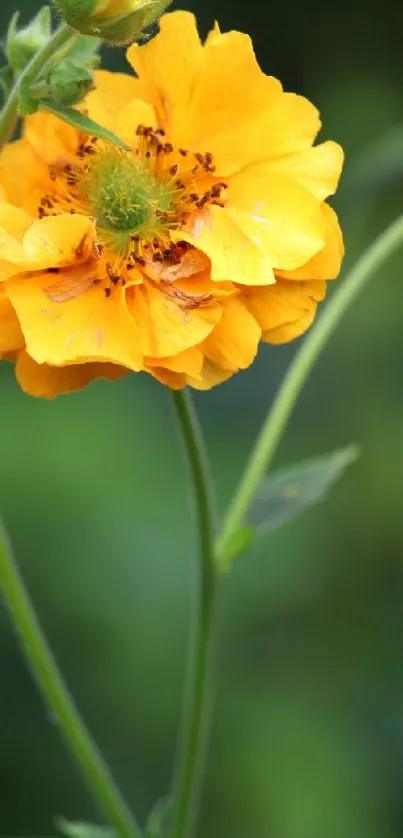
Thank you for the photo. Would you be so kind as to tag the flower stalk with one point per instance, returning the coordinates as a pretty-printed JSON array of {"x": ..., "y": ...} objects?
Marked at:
[
  {"x": 57, "y": 698},
  {"x": 191, "y": 758}
]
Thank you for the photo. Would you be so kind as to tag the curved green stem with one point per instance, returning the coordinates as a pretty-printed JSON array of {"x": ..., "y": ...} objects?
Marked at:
[
  {"x": 9, "y": 113},
  {"x": 303, "y": 363},
  {"x": 196, "y": 717},
  {"x": 55, "y": 693}
]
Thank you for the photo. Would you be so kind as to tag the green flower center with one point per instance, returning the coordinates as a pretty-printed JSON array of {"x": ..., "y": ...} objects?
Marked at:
[{"x": 125, "y": 198}]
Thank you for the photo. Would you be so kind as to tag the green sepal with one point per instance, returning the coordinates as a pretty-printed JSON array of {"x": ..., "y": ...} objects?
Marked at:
[
  {"x": 81, "y": 122},
  {"x": 22, "y": 44}
]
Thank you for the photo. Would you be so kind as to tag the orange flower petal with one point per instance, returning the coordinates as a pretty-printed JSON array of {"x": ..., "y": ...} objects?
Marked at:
[
  {"x": 90, "y": 327},
  {"x": 234, "y": 342},
  {"x": 168, "y": 323},
  {"x": 289, "y": 331},
  {"x": 317, "y": 168},
  {"x": 211, "y": 375},
  {"x": 116, "y": 104},
  {"x": 14, "y": 221},
  {"x": 281, "y": 217},
  {"x": 234, "y": 255},
  {"x": 47, "y": 382},
  {"x": 190, "y": 361},
  {"x": 22, "y": 176},
  {"x": 58, "y": 241},
  {"x": 229, "y": 99},
  {"x": 50, "y": 137},
  {"x": 168, "y": 66},
  {"x": 173, "y": 380},
  {"x": 216, "y": 98},
  {"x": 325, "y": 264},
  {"x": 283, "y": 303},
  {"x": 11, "y": 336}
]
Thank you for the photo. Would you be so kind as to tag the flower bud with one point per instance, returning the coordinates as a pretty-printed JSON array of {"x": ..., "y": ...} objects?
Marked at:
[
  {"x": 23, "y": 44},
  {"x": 69, "y": 81},
  {"x": 115, "y": 21}
]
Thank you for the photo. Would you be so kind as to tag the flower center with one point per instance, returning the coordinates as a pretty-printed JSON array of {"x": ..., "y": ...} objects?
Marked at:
[
  {"x": 137, "y": 199},
  {"x": 124, "y": 196}
]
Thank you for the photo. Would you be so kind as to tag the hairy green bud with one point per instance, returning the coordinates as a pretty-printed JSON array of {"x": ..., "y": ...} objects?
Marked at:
[{"x": 115, "y": 21}]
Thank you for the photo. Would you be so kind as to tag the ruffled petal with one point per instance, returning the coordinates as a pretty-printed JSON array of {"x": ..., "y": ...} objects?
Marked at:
[
  {"x": 211, "y": 375},
  {"x": 52, "y": 242},
  {"x": 90, "y": 327},
  {"x": 217, "y": 98},
  {"x": 241, "y": 115},
  {"x": 283, "y": 303},
  {"x": 190, "y": 361},
  {"x": 116, "y": 104},
  {"x": 170, "y": 321},
  {"x": 317, "y": 168},
  {"x": 47, "y": 382},
  {"x": 167, "y": 67},
  {"x": 11, "y": 337},
  {"x": 22, "y": 176},
  {"x": 50, "y": 138},
  {"x": 290, "y": 331},
  {"x": 233, "y": 254},
  {"x": 281, "y": 217},
  {"x": 325, "y": 264},
  {"x": 173, "y": 380},
  {"x": 234, "y": 342}
]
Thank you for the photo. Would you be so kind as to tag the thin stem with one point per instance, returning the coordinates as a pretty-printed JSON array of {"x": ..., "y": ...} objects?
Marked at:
[
  {"x": 192, "y": 751},
  {"x": 301, "y": 366},
  {"x": 9, "y": 113},
  {"x": 56, "y": 696}
]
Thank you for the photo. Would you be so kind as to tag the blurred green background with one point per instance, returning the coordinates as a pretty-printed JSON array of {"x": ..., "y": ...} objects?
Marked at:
[{"x": 308, "y": 729}]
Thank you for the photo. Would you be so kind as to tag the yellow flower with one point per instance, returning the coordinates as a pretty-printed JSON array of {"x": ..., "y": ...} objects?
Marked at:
[{"x": 179, "y": 255}]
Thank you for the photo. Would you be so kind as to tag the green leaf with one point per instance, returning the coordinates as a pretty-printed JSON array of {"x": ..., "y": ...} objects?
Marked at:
[
  {"x": 77, "y": 829},
  {"x": 81, "y": 122},
  {"x": 294, "y": 488},
  {"x": 238, "y": 543}
]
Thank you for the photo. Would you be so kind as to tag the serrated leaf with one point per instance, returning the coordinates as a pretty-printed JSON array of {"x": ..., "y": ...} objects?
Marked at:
[
  {"x": 238, "y": 543},
  {"x": 78, "y": 829},
  {"x": 81, "y": 122},
  {"x": 294, "y": 488}
]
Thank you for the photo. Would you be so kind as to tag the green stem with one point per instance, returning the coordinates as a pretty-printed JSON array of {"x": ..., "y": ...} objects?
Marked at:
[
  {"x": 56, "y": 696},
  {"x": 192, "y": 751},
  {"x": 9, "y": 113},
  {"x": 301, "y": 366}
]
